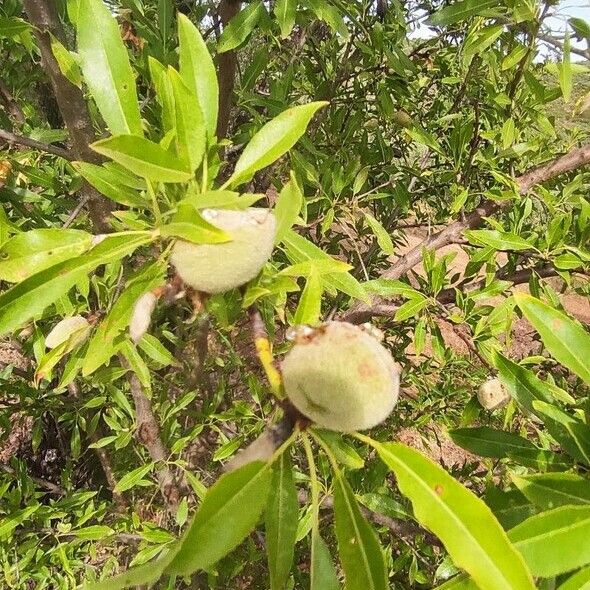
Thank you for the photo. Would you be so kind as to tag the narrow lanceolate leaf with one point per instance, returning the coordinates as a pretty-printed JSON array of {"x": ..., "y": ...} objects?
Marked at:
[
  {"x": 230, "y": 510},
  {"x": 565, "y": 70},
  {"x": 28, "y": 299},
  {"x": 570, "y": 432},
  {"x": 240, "y": 26},
  {"x": 556, "y": 541},
  {"x": 130, "y": 480},
  {"x": 498, "y": 240},
  {"x": 285, "y": 11},
  {"x": 107, "y": 183},
  {"x": 273, "y": 140},
  {"x": 299, "y": 250},
  {"x": 287, "y": 208},
  {"x": 103, "y": 344},
  {"x": 358, "y": 546},
  {"x": 30, "y": 252},
  {"x": 164, "y": 93},
  {"x": 383, "y": 237},
  {"x": 144, "y": 158},
  {"x": 310, "y": 303},
  {"x": 411, "y": 308},
  {"x": 198, "y": 71},
  {"x": 106, "y": 67},
  {"x": 281, "y": 522},
  {"x": 189, "y": 124},
  {"x": 460, "y": 11},
  {"x": 323, "y": 574},
  {"x": 488, "y": 442},
  {"x": 471, "y": 534},
  {"x": 146, "y": 573},
  {"x": 579, "y": 581},
  {"x": 564, "y": 338},
  {"x": 523, "y": 385},
  {"x": 550, "y": 490}
]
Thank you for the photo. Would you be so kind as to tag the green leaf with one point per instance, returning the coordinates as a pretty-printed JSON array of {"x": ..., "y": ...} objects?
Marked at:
[
  {"x": 106, "y": 68},
  {"x": 129, "y": 480},
  {"x": 157, "y": 351},
  {"x": 549, "y": 490},
  {"x": 144, "y": 158},
  {"x": 146, "y": 573},
  {"x": 581, "y": 27},
  {"x": 309, "y": 308},
  {"x": 93, "y": 532},
  {"x": 164, "y": 93},
  {"x": 274, "y": 139},
  {"x": 411, "y": 308},
  {"x": 191, "y": 134},
  {"x": 66, "y": 62},
  {"x": 198, "y": 71},
  {"x": 285, "y": 11},
  {"x": 104, "y": 343},
  {"x": 240, "y": 26},
  {"x": 108, "y": 183},
  {"x": 299, "y": 250},
  {"x": 323, "y": 573},
  {"x": 287, "y": 208},
  {"x": 360, "y": 552},
  {"x": 471, "y": 534},
  {"x": 554, "y": 542},
  {"x": 571, "y": 433},
  {"x": 460, "y": 11},
  {"x": 282, "y": 512},
  {"x": 344, "y": 452},
  {"x": 136, "y": 363},
  {"x": 499, "y": 240},
  {"x": 514, "y": 57},
  {"x": 28, "y": 299},
  {"x": 523, "y": 385},
  {"x": 564, "y": 338},
  {"x": 488, "y": 442},
  {"x": 564, "y": 70},
  {"x": 12, "y": 26},
  {"x": 230, "y": 510},
  {"x": 30, "y": 252},
  {"x": 383, "y": 238},
  {"x": 579, "y": 581},
  {"x": 189, "y": 224}
]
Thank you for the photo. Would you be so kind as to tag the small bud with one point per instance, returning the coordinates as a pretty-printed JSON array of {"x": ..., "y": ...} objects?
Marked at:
[
  {"x": 142, "y": 315},
  {"x": 492, "y": 394},
  {"x": 216, "y": 268},
  {"x": 341, "y": 378},
  {"x": 76, "y": 327}
]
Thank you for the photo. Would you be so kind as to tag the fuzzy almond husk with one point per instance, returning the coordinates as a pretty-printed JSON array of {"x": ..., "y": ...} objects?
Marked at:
[{"x": 341, "y": 378}]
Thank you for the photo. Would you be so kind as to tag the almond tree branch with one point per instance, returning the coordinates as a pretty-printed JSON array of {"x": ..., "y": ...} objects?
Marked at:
[
  {"x": 576, "y": 158},
  {"x": 148, "y": 434},
  {"x": 12, "y": 106},
  {"x": 227, "y": 63},
  {"x": 44, "y": 17},
  {"x": 13, "y": 138}
]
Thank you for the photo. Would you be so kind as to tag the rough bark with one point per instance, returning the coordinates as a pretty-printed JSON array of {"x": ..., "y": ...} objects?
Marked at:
[{"x": 43, "y": 16}]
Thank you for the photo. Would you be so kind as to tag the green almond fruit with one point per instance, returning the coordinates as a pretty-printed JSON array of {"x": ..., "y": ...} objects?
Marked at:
[
  {"x": 341, "y": 377},
  {"x": 216, "y": 268}
]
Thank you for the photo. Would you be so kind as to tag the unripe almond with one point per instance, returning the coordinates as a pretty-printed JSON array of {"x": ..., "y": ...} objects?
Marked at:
[
  {"x": 492, "y": 394},
  {"x": 341, "y": 378},
  {"x": 76, "y": 326},
  {"x": 402, "y": 118},
  {"x": 216, "y": 268}
]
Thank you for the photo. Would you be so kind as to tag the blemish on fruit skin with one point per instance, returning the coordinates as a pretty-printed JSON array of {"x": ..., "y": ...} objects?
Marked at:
[
  {"x": 366, "y": 370},
  {"x": 438, "y": 489}
]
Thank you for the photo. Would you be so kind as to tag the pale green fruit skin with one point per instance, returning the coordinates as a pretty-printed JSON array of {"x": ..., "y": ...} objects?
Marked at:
[
  {"x": 65, "y": 328},
  {"x": 492, "y": 394},
  {"x": 342, "y": 379},
  {"x": 216, "y": 268}
]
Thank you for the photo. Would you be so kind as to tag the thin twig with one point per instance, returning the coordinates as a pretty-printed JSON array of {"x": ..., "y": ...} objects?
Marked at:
[
  {"x": 13, "y": 138},
  {"x": 576, "y": 158}
]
